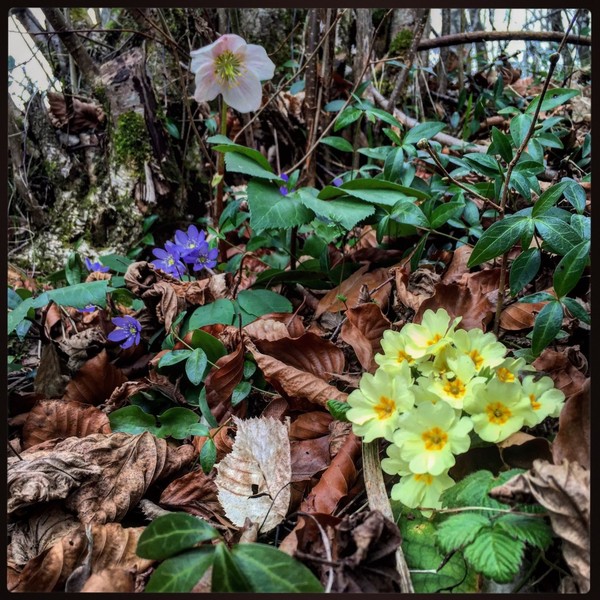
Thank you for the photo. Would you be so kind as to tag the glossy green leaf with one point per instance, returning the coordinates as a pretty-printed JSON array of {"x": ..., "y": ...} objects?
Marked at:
[
  {"x": 552, "y": 99},
  {"x": 576, "y": 310},
  {"x": 500, "y": 145},
  {"x": 519, "y": 127},
  {"x": 262, "y": 302},
  {"x": 444, "y": 212},
  {"x": 238, "y": 163},
  {"x": 560, "y": 236},
  {"x": 353, "y": 185},
  {"x": 568, "y": 271},
  {"x": 208, "y": 455},
  {"x": 537, "y": 297},
  {"x": 423, "y": 130},
  {"x": 524, "y": 268},
  {"x": 220, "y": 311},
  {"x": 408, "y": 213},
  {"x": 549, "y": 198},
  {"x": 212, "y": 346},
  {"x": 339, "y": 143},
  {"x": 169, "y": 534},
  {"x": 240, "y": 392},
  {"x": 226, "y": 576},
  {"x": 195, "y": 366},
  {"x": 547, "y": 325},
  {"x": 346, "y": 117},
  {"x": 483, "y": 163},
  {"x": 497, "y": 239},
  {"x": 345, "y": 211},
  {"x": 227, "y": 145},
  {"x": 575, "y": 194},
  {"x": 182, "y": 572},
  {"x": 132, "y": 419},
  {"x": 73, "y": 269},
  {"x": 174, "y": 357}
]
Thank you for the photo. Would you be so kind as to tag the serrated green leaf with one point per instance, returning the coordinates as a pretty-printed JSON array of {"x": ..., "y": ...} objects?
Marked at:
[
  {"x": 546, "y": 326},
  {"x": 497, "y": 239},
  {"x": 549, "y": 198},
  {"x": 338, "y": 410},
  {"x": 195, "y": 366},
  {"x": 495, "y": 555},
  {"x": 269, "y": 570},
  {"x": 174, "y": 357},
  {"x": 559, "y": 236},
  {"x": 220, "y": 311},
  {"x": 169, "y": 534},
  {"x": 270, "y": 210},
  {"x": 238, "y": 163},
  {"x": 568, "y": 271},
  {"x": 345, "y": 211},
  {"x": 208, "y": 455},
  {"x": 576, "y": 310},
  {"x": 524, "y": 268},
  {"x": 182, "y": 572},
  {"x": 226, "y": 576},
  {"x": 423, "y": 130},
  {"x": 531, "y": 530},
  {"x": 339, "y": 143},
  {"x": 459, "y": 530}
]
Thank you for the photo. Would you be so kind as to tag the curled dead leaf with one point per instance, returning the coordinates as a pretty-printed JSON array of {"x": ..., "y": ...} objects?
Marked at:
[
  {"x": 310, "y": 425},
  {"x": 51, "y": 419},
  {"x": 51, "y": 377},
  {"x": 414, "y": 288},
  {"x": 520, "y": 315},
  {"x": 567, "y": 378},
  {"x": 309, "y": 457}
]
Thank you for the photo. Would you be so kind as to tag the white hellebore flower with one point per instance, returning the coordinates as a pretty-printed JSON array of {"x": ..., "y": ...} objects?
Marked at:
[{"x": 231, "y": 67}]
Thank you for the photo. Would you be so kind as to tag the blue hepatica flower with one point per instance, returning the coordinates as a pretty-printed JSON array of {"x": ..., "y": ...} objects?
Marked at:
[
  {"x": 337, "y": 181},
  {"x": 169, "y": 259},
  {"x": 189, "y": 243},
  {"x": 90, "y": 308},
  {"x": 207, "y": 257},
  {"x": 127, "y": 331},
  {"x": 283, "y": 189},
  {"x": 95, "y": 266}
]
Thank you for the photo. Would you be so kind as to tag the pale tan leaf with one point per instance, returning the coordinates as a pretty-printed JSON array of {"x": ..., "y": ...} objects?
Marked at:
[
  {"x": 458, "y": 266},
  {"x": 50, "y": 379},
  {"x": 309, "y": 457},
  {"x": 310, "y": 425},
  {"x": 51, "y": 419},
  {"x": 566, "y": 376},
  {"x": 253, "y": 480},
  {"x": 564, "y": 491},
  {"x": 414, "y": 288},
  {"x": 520, "y": 315},
  {"x": 110, "y": 580}
]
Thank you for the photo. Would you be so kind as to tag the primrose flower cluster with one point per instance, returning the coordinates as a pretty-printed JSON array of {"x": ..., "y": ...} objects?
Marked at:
[
  {"x": 190, "y": 249},
  {"x": 435, "y": 387}
]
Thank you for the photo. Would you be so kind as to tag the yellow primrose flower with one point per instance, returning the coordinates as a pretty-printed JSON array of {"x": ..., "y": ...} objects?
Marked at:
[
  {"x": 457, "y": 387},
  {"x": 498, "y": 409},
  {"x": 545, "y": 400},
  {"x": 482, "y": 348},
  {"x": 431, "y": 335},
  {"x": 422, "y": 489},
  {"x": 377, "y": 404},
  {"x": 394, "y": 354},
  {"x": 393, "y": 463},
  {"x": 508, "y": 370},
  {"x": 439, "y": 365},
  {"x": 423, "y": 393},
  {"x": 430, "y": 435}
]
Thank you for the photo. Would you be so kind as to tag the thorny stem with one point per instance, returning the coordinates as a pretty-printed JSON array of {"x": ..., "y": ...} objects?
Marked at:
[{"x": 503, "y": 267}]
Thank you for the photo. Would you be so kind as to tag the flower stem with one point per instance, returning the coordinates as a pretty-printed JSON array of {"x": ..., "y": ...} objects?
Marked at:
[{"x": 221, "y": 182}]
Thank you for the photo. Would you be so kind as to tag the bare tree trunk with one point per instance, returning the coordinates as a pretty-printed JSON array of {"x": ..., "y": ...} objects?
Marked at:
[
  {"x": 310, "y": 98},
  {"x": 557, "y": 25},
  {"x": 583, "y": 28},
  {"x": 480, "y": 48},
  {"x": 364, "y": 33},
  {"x": 442, "y": 70}
]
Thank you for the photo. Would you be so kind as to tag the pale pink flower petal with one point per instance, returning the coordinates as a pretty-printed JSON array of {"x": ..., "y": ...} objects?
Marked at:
[
  {"x": 232, "y": 42},
  {"x": 207, "y": 87},
  {"x": 258, "y": 62},
  {"x": 246, "y": 95}
]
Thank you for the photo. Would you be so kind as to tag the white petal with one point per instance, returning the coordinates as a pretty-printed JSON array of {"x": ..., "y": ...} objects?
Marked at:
[
  {"x": 232, "y": 42},
  {"x": 207, "y": 87},
  {"x": 246, "y": 96},
  {"x": 258, "y": 62}
]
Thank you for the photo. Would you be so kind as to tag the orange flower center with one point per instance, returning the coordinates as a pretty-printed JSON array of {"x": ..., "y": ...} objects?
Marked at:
[
  {"x": 455, "y": 388},
  {"x": 385, "y": 408},
  {"x": 497, "y": 413},
  {"x": 434, "y": 340},
  {"x": 402, "y": 356},
  {"x": 476, "y": 358},
  {"x": 534, "y": 403},
  {"x": 505, "y": 375},
  {"x": 435, "y": 439},
  {"x": 426, "y": 478}
]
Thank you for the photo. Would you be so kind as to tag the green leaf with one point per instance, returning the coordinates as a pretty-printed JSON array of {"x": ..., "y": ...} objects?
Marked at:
[
  {"x": 220, "y": 311},
  {"x": 174, "y": 357},
  {"x": 483, "y": 163},
  {"x": 73, "y": 269},
  {"x": 240, "y": 391},
  {"x": 394, "y": 165},
  {"x": 226, "y": 145},
  {"x": 345, "y": 211},
  {"x": 384, "y": 116},
  {"x": 338, "y": 410},
  {"x": 262, "y": 302},
  {"x": 208, "y": 455},
  {"x": 347, "y": 187},
  {"x": 177, "y": 422},
  {"x": 559, "y": 236},
  {"x": 269, "y": 570},
  {"x": 549, "y": 198},
  {"x": 500, "y": 145},
  {"x": 576, "y": 310},
  {"x": 226, "y": 576},
  {"x": 494, "y": 554},
  {"x": 116, "y": 262},
  {"x": 524, "y": 268},
  {"x": 547, "y": 325},
  {"x": 195, "y": 366},
  {"x": 549, "y": 140},
  {"x": 409, "y": 214},
  {"x": 339, "y": 143},
  {"x": 582, "y": 225},
  {"x": 182, "y": 572},
  {"x": 531, "y": 530},
  {"x": 423, "y": 130},
  {"x": 418, "y": 252},
  {"x": 459, "y": 530},
  {"x": 575, "y": 194},
  {"x": 519, "y": 127},
  {"x": 270, "y": 210},
  {"x": 213, "y": 347},
  {"x": 497, "y": 239},
  {"x": 132, "y": 419},
  {"x": 448, "y": 210},
  {"x": 238, "y": 163},
  {"x": 569, "y": 269},
  {"x": 537, "y": 297},
  {"x": 172, "y": 129},
  {"x": 552, "y": 99},
  {"x": 169, "y": 534},
  {"x": 346, "y": 117}
]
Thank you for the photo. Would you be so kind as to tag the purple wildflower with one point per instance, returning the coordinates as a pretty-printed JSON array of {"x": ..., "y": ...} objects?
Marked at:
[
  {"x": 95, "y": 266},
  {"x": 169, "y": 260},
  {"x": 283, "y": 189},
  {"x": 127, "y": 331},
  {"x": 337, "y": 181},
  {"x": 90, "y": 308},
  {"x": 207, "y": 257},
  {"x": 189, "y": 243}
]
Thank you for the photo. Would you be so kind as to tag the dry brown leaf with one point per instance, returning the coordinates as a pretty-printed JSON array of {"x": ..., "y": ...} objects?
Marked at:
[
  {"x": 51, "y": 419},
  {"x": 414, "y": 288},
  {"x": 458, "y": 266},
  {"x": 253, "y": 480},
  {"x": 40, "y": 531},
  {"x": 128, "y": 464},
  {"x": 363, "y": 331},
  {"x": 83, "y": 116},
  {"x": 520, "y": 315},
  {"x": 154, "y": 381},
  {"x": 81, "y": 346},
  {"x": 113, "y": 547},
  {"x": 350, "y": 288},
  {"x": 110, "y": 580},
  {"x": 269, "y": 326},
  {"x": 45, "y": 476},
  {"x": 95, "y": 381},
  {"x": 520, "y": 450},
  {"x": 51, "y": 377},
  {"x": 293, "y": 382},
  {"x": 566, "y": 376},
  {"x": 564, "y": 491},
  {"x": 309, "y": 457},
  {"x": 309, "y": 353},
  {"x": 573, "y": 440},
  {"x": 310, "y": 425}
]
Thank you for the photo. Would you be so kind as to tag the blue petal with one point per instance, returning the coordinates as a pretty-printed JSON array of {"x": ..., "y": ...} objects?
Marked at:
[{"x": 118, "y": 335}]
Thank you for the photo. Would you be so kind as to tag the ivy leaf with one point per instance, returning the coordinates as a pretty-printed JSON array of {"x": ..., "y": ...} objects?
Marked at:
[
  {"x": 497, "y": 239},
  {"x": 494, "y": 554},
  {"x": 169, "y": 534},
  {"x": 531, "y": 530},
  {"x": 547, "y": 325},
  {"x": 524, "y": 269},
  {"x": 569, "y": 269},
  {"x": 182, "y": 572},
  {"x": 195, "y": 366},
  {"x": 459, "y": 530},
  {"x": 576, "y": 310}
]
